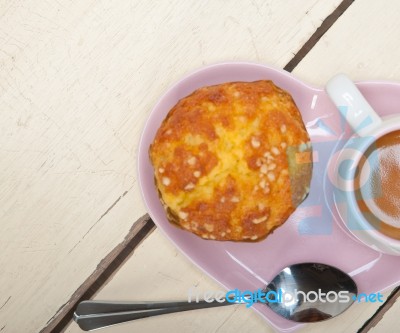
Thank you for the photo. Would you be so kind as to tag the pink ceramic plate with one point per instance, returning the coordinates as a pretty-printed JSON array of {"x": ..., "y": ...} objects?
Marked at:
[{"x": 314, "y": 233}]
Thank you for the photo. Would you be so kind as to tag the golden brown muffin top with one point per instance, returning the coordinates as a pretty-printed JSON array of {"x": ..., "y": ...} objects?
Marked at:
[{"x": 231, "y": 160}]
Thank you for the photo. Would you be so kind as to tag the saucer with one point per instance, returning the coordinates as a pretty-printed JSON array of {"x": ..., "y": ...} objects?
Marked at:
[{"x": 315, "y": 231}]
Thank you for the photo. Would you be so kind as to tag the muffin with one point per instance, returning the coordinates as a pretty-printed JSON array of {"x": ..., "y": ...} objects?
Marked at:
[{"x": 232, "y": 161}]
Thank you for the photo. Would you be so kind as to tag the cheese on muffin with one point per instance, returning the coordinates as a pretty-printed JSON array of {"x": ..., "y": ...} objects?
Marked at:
[{"x": 232, "y": 161}]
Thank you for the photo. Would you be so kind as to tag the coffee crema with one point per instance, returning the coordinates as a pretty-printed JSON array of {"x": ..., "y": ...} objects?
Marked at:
[{"x": 378, "y": 187}]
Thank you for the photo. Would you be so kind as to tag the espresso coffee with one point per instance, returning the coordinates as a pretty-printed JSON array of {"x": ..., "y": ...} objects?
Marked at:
[{"x": 378, "y": 184}]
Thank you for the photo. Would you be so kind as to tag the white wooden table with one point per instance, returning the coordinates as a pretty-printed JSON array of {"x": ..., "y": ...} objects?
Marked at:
[{"x": 77, "y": 81}]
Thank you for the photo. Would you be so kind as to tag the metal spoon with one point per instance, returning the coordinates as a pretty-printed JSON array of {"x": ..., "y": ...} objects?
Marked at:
[{"x": 306, "y": 292}]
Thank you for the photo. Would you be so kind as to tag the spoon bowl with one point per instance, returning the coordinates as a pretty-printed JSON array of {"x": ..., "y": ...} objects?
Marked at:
[{"x": 311, "y": 292}]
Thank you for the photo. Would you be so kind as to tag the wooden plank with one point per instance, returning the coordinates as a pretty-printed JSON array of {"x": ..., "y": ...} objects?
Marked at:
[{"x": 77, "y": 82}]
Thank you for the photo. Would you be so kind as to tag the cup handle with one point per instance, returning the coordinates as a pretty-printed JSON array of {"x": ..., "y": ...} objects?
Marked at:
[{"x": 352, "y": 105}]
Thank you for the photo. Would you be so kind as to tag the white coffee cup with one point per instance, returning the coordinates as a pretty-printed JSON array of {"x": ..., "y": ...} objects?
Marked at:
[{"x": 368, "y": 127}]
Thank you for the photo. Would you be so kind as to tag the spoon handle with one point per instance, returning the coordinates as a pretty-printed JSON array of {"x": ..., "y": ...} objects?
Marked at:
[
  {"x": 91, "y": 315},
  {"x": 103, "y": 307}
]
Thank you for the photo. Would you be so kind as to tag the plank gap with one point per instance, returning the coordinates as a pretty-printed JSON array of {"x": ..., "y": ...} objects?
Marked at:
[
  {"x": 5, "y": 302},
  {"x": 316, "y": 36},
  {"x": 104, "y": 271},
  {"x": 378, "y": 315}
]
